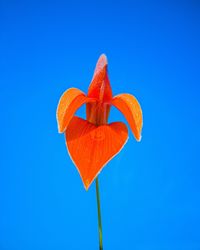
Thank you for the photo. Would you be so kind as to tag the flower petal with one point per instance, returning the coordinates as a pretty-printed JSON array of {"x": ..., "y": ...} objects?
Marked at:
[
  {"x": 91, "y": 147},
  {"x": 69, "y": 102},
  {"x": 132, "y": 111},
  {"x": 101, "y": 63},
  {"x": 100, "y": 85}
]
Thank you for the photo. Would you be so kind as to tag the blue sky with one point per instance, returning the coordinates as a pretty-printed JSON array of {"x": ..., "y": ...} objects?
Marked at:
[{"x": 150, "y": 191}]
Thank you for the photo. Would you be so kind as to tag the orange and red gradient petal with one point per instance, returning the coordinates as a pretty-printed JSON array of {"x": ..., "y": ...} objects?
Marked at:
[
  {"x": 132, "y": 111},
  {"x": 91, "y": 147},
  {"x": 69, "y": 102},
  {"x": 100, "y": 85}
]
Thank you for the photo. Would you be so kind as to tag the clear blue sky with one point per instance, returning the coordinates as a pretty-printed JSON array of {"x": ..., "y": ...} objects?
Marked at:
[{"x": 150, "y": 192}]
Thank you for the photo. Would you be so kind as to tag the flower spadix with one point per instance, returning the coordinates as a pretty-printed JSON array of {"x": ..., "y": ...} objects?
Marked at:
[{"x": 93, "y": 142}]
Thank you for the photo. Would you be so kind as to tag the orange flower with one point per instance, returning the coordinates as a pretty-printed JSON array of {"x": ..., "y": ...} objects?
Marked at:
[{"x": 92, "y": 143}]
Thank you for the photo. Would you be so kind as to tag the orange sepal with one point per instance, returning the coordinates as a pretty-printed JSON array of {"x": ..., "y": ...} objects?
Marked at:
[
  {"x": 91, "y": 147},
  {"x": 132, "y": 111},
  {"x": 70, "y": 101}
]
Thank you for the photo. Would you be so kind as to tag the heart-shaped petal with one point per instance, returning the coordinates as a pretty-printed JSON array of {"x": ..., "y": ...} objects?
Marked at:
[{"x": 91, "y": 147}]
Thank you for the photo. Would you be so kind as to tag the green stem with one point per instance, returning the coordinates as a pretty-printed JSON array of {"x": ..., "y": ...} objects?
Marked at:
[{"x": 99, "y": 215}]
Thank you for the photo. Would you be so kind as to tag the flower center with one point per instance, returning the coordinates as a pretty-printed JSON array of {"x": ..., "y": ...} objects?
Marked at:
[{"x": 97, "y": 113}]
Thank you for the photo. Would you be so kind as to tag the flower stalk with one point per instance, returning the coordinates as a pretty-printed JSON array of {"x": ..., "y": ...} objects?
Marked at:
[{"x": 99, "y": 215}]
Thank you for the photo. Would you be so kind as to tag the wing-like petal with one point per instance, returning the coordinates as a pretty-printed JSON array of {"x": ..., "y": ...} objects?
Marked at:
[
  {"x": 91, "y": 147},
  {"x": 68, "y": 104},
  {"x": 132, "y": 111}
]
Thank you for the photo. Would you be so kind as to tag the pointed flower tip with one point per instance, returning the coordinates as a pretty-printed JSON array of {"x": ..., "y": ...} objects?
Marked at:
[
  {"x": 102, "y": 61},
  {"x": 139, "y": 138},
  {"x": 61, "y": 130},
  {"x": 86, "y": 185},
  {"x": 103, "y": 57},
  {"x": 138, "y": 135}
]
